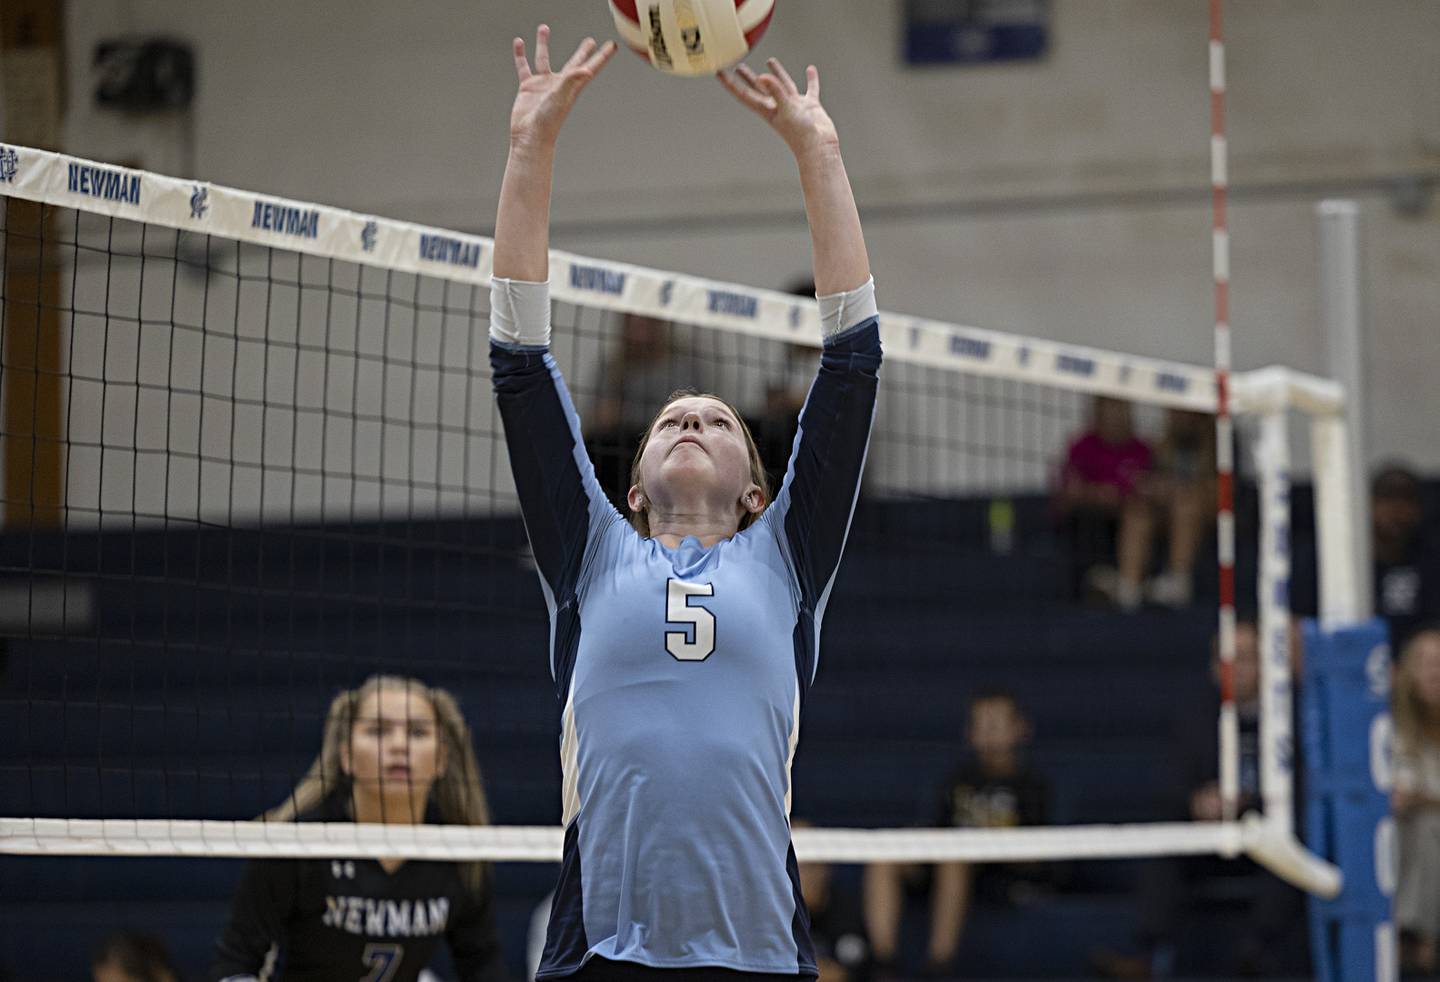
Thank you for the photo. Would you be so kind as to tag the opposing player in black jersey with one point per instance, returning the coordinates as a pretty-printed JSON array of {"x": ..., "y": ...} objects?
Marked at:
[{"x": 394, "y": 752}]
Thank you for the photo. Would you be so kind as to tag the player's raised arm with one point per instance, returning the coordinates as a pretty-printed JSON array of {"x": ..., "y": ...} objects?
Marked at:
[
  {"x": 841, "y": 262},
  {"x": 554, "y": 478},
  {"x": 543, "y": 101},
  {"x": 815, "y": 503}
]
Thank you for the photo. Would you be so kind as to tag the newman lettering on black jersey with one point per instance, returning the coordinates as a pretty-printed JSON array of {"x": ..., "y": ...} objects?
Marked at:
[
  {"x": 337, "y": 920},
  {"x": 387, "y": 918}
]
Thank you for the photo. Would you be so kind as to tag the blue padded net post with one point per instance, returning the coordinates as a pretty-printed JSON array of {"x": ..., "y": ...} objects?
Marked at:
[{"x": 1347, "y": 739}]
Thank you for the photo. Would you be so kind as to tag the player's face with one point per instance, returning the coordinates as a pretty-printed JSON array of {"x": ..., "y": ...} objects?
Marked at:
[
  {"x": 1247, "y": 664},
  {"x": 111, "y": 971},
  {"x": 1395, "y": 517},
  {"x": 1424, "y": 668},
  {"x": 1112, "y": 420},
  {"x": 996, "y": 727},
  {"x": 394, "y": 744},
  {"x": 696, "y": 447}
]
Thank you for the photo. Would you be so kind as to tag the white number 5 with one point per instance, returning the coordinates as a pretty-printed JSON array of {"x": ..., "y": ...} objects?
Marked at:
[{"x": 697, "y": 643}]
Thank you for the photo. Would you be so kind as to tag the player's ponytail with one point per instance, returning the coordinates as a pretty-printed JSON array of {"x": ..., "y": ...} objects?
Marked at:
[{"x": 458, "y": 792}]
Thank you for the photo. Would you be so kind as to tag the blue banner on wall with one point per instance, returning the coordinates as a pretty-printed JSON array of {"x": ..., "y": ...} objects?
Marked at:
[{"x": 971, "y": 32}]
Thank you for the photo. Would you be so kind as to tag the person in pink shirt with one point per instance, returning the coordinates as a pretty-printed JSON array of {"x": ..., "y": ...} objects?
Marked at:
[{"x": 1104, "y": 504}]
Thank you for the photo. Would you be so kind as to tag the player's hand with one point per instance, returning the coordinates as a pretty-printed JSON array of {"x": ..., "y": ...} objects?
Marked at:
[
  {"x": 546, "y": 97},
  {"x": 797, "y": 116}
]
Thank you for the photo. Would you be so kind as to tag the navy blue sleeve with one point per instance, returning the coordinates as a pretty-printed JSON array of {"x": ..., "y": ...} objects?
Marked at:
[
  {"x": 822, "y": 481},
  {"x": 258, "y": 914},
  {"x": 474, "y": 944},
  {"x": 559, "y": 495}
]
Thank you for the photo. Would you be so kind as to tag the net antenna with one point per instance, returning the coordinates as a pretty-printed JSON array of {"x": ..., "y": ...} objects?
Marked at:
[
  {"x": 1271, "y": 394},
  {"x": 1031, "y": 388},
  {"x": 1224, "y": 424}
]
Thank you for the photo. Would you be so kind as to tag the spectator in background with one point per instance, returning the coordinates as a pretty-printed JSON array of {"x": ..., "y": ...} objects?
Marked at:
[
  {"x": 837, "y": 928},
  {"x": 1407, "y": 564},
  {"x": 129, "y": 957},
  {"x": 1183, "y": 490},
  {"x": 394, "y": 752},
  {"x": 1416, "y": 800},
  {"x": 992, "y": 789},
  {"x": 1275, "y": 909},
  {"x": 1106, "y": 515}
]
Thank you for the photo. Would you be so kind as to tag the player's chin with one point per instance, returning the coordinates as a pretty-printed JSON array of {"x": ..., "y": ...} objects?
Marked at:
[
  {"x": 394, "y": 781},
  {"x": 688, "y": 470}
]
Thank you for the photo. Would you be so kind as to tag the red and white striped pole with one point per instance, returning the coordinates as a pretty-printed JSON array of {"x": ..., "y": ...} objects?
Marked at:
[{"x": 1224, "y": 427}]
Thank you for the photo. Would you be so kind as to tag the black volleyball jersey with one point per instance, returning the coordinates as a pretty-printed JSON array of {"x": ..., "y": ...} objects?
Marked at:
[{"x": 344, "y": 920}]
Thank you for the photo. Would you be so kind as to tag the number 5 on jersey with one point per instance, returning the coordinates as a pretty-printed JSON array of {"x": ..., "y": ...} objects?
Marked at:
[{"x": 697, "y": 642}]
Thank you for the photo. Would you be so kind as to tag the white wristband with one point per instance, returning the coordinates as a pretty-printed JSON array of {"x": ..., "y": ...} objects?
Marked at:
[
  {"x": 519, "y": 312},
  {"x": 842, "y": 311}
]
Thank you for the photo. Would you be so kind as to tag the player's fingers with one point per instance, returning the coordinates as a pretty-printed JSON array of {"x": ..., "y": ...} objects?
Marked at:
[
  {"x": 733, "y": 87},
  {"x": 773, "y": 88},
  {"x": 754, "y": 95},
  {"x": 747, "y": 96},
  {"x": 769, "y": 87},
  {"x": 602, "y": 57},
  {"x": 748, "y": 76},
  {"x": 542, "y": 49},
  {"x": 582, "y": 52},
  {"x": 522, "y": 64},
  {"x": 579, "y": 77},
  {"x": 729, "y": 83},
  {"x": 812, "y": 81},
  {"x": 753, "y": 101},
  {"x": 783, "y": 76}
]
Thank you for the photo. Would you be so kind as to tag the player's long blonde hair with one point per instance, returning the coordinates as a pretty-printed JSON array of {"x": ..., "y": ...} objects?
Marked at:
[
  {"x": 458, "y": 792},
  {"x": 641, "y": 520},
  {"x": 1416, "y": 723}
]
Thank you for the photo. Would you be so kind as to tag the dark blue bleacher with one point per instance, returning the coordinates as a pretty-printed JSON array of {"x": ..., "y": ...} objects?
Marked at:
[{"x": 199, "y": 692}]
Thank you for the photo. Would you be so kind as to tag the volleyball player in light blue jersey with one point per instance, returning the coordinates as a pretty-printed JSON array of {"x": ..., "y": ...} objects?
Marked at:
[{"x": 682, "y": 642}]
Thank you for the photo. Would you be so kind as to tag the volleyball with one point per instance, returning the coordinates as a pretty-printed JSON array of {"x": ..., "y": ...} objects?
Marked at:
[{"x": 692, "y": 37}]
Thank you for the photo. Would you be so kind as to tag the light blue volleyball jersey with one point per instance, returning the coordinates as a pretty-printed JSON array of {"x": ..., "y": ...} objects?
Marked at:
[{"x": 682, "y": 674}]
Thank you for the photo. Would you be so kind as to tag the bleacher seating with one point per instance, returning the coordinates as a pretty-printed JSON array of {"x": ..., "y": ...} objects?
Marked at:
[{"x": 200, "y": 688}]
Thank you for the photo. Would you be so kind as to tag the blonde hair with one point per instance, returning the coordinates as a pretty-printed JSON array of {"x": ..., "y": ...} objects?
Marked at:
[
  {"x": 458, "y": 792},
  {"x": 1415, "y": 722},
  {"x": 641, "y": 520}
]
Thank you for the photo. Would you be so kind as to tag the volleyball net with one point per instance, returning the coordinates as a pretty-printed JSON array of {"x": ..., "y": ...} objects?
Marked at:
[{"x": 252, "y": 458}]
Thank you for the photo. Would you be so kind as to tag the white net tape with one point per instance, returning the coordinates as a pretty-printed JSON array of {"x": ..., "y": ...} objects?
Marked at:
[{"x": 541, "y": 844}]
